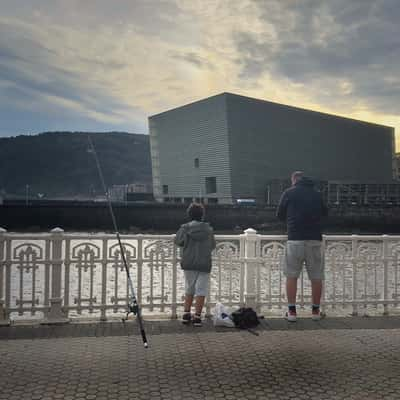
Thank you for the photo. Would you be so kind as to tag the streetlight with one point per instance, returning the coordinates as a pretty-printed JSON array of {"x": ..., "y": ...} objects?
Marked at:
[{"x": 26, "y": 194}]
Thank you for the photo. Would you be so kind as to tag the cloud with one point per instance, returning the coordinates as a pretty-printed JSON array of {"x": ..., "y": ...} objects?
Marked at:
[
  {"x": 326, "y": 43},
  {"x": 192, "y": 58},
  {"x": 55, "y": 74}
]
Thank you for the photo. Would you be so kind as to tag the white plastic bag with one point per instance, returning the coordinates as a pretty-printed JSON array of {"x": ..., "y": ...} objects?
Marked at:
[{"x": 221, "y": 316}]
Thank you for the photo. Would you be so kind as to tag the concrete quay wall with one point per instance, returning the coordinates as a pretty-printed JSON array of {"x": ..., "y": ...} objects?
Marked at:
[{"x": 167, "y": 218}]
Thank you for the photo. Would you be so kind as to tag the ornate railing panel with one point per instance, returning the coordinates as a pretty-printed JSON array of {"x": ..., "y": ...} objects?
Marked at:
[
  {"x": 270, "y": 280},
  {"x": 57, "y": 276},
  {"x": 227, "y": 275}
]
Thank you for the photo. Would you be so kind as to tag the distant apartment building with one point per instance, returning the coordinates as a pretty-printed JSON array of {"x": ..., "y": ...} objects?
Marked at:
[
  {"x": 117, "y": 193},
  {"x": 228, "y": 147},
  {"x": 131, "y": 192}
]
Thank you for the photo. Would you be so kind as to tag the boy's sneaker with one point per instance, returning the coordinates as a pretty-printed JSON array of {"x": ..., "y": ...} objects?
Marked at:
[
  {"x": 186, "y": 318},
  {"x": 291, "y": 316},
  {"x": 197, "y": 320},
  {"x": 316, "y": 314}
]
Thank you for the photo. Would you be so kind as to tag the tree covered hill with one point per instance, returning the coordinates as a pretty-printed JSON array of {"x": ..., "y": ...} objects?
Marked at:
[{"x": 58, "y": 164}]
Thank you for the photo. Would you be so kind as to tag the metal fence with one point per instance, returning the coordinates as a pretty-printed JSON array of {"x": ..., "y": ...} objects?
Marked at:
[{"x": 58, "y": 276}]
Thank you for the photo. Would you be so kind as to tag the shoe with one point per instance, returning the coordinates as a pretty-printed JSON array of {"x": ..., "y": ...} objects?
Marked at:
[
  {"x": 186, "y": 318},
  {"x": 316, "y": 314},
  {"x": 291, "y": 316},
  {"x": 197, "y": 320}
]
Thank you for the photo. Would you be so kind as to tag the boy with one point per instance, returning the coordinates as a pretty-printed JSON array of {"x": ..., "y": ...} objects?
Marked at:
[{"x": 197, "y": 240}]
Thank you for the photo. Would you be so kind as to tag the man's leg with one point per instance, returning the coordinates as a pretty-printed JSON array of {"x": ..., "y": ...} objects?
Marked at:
[
  {"x": 315, "y": 269},
  {"x": 291, "y": 290},
  {"x": 292, "y": 267},
  {"x": 316, "y": 291}
]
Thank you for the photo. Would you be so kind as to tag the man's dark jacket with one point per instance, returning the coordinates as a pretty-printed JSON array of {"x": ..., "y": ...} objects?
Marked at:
[{"x": 302, "y": 207}]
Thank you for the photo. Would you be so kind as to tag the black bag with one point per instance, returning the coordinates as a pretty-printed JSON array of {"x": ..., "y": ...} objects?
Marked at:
[{"x": 245, "y": 318}]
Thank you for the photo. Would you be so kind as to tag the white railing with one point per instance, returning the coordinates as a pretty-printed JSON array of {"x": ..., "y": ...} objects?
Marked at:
[{"x": 57, "y": 276}]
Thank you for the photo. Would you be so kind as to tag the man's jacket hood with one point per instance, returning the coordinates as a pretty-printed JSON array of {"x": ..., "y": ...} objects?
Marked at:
[
  {"x": 198, "y": 231},
  {"x": 305, "y": 181}
]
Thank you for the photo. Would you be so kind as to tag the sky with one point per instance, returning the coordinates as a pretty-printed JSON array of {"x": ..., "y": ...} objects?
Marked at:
[{"x": 104, "y": 65}]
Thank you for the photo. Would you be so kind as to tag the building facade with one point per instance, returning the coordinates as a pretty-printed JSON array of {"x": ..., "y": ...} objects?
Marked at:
[
  {"x": 397, "y": 166},
  {"x": 228, "y": 147}
]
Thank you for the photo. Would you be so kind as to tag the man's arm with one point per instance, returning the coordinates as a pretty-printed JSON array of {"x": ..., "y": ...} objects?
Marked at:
[
  {"x": 282, "y": 207},
  {"x": 324, "y": 208}
]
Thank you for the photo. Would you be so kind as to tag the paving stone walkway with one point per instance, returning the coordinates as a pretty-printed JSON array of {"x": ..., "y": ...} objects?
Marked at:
[{"x": 337, "y": 358}]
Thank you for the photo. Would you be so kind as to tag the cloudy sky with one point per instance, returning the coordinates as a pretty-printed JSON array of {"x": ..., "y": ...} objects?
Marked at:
[{"x": 105, "y": 65}]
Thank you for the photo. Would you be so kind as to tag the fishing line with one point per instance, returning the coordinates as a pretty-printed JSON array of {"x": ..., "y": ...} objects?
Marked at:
[{"x": 133, "y": 306}]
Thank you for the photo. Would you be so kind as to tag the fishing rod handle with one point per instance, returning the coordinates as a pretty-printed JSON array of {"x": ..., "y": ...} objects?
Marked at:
[{"x": 144, "y": 338}]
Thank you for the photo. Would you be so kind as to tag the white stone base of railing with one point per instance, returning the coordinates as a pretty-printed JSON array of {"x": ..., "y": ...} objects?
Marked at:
[
  {"x": 3, "y": 320},
  {"x": 56, "y": 314}
]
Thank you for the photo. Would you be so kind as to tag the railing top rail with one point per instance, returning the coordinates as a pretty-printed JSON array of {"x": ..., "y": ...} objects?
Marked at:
[
  {"x": 228, "y": 237},
  {"x": 86, "y": 235},
  {"x": 103, "y": 235},
  {"x": 361, "y": 237},
  {"x": 122, "y": 236},
  {"x": 273, "y": 237}
]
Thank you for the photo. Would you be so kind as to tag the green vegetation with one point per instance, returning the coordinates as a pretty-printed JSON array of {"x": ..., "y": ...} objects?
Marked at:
[{"x": 58, "y": 164}]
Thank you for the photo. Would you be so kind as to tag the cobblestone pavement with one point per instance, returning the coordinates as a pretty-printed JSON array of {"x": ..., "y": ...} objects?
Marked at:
[{"x": 334, "y": 359}]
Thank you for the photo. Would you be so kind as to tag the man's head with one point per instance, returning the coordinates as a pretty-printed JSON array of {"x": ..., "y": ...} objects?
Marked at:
[
  {"x": 196, "y": 212},
  {"x": 296, "y": 176}
]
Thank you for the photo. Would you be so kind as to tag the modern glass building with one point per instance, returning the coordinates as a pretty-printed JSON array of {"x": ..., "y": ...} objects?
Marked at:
[{"x": 228, "y": 147}]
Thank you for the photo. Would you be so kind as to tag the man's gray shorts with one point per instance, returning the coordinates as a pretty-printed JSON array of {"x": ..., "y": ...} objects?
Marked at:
[
  {"x": 196, "y": 282},
  {"x": 299, "y": 252}
]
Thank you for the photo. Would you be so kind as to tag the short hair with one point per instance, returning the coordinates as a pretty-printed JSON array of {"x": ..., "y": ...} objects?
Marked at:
[
  {"x": 196, "y": 211},
  {"x": 296, "y": 175}
]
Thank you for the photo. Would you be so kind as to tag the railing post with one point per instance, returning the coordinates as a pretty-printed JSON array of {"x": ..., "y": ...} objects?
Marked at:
[
  {"x": 250, "y": 253},
  {"x": 174, "y": 314},
  {"x": 56, "y": 314},
  {"x": 354, "y": 266},
  {"x": 385, "y": 255},
  {"x": 103, "y": 316},
  {"x": 4, "y": 320},
  {"x": 323, "y": 247}
]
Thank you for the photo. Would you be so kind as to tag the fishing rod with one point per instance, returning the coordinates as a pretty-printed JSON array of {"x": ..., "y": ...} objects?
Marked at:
[{"x": 133, "y": 306}]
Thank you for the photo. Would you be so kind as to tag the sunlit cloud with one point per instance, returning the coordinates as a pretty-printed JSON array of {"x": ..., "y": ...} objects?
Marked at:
[{"x": 109, "y": 65}]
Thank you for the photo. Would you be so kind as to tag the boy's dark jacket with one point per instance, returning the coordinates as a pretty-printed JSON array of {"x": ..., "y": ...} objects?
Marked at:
[
  {"x": 301, "y": 206},
  {"x": 197, "y": 240}
]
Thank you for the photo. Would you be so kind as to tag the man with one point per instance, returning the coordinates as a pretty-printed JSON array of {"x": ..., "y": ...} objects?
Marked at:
[{"x": 302, "y": 207}]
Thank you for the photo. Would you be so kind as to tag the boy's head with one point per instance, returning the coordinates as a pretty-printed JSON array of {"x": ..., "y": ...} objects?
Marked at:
[{"x": 196, "y": 212}]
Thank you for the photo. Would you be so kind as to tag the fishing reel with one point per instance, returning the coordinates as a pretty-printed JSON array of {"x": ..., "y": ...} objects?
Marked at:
[{"x": 132, "y": 309}]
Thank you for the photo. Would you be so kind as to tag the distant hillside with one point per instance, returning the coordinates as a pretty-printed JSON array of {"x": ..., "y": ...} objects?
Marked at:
[{"x": 58, "y": 164}]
